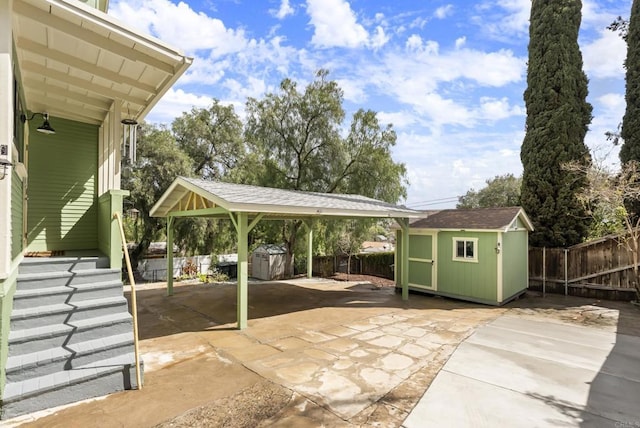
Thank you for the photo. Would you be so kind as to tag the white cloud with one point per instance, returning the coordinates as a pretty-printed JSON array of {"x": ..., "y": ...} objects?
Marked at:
[
  {"x": 498, "y": 109},
  {"x": 504, "y": 19},
  {"x": 612, "y": 102},
  {"x": 252, "y": 87},
  {"x": 180, "y": 25},
  {"x": 460, "y": 42},
  {"x": 399, "y": 120},
  {"x": 604, "y": 57},
  {"x": 354, "y": 90},
  {"x": 451, "y": 164},
  {"x": 414, "y": 42},
  {"x": 419, "y": 23},
  {"x": 443, "y": 11},
  {"x": 284, "y": 10},
  {"x": 379, "y": 38},
  {"x": 335, "y": 24},
  {"x": 176, "y": 102}
]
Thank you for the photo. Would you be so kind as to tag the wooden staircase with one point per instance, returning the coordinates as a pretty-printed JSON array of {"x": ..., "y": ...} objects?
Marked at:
[{"x": 71, "y": 334}]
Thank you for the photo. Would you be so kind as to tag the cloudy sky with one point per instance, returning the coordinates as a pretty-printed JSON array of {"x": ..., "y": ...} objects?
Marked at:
[{"x": 449, "y": 75}]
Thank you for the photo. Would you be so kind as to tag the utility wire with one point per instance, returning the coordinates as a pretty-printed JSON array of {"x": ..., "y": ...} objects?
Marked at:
[{"x": 435, "y": 201}]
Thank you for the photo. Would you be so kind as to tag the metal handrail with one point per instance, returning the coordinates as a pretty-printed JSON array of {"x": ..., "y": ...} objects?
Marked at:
[{"x": 134, "y": 305}]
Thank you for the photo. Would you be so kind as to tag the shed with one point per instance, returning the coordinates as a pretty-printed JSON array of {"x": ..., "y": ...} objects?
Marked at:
[
  {"x": 480, "y": 255},
  {"x": 269, "y": 262}
]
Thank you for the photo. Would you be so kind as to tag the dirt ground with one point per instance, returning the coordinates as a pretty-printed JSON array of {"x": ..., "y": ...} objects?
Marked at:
[{"x": 202, "y": 372}]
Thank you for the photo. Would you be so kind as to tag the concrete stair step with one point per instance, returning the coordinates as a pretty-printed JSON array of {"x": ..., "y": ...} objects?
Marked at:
[
  {"x": 42, "y": 280},
  {"x": 92, "y": 380},
  {"x": 66, "y": 313},
  {"x": 35, "y": 339},
  {"x": 67, "y": 357},
  {"x": 63, "y": 263},
  {"x": 30, "y": 298}
]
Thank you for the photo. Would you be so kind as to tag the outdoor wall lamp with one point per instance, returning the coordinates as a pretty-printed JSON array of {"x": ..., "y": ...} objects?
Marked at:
[
  {"x": 45, "y": 128},
  {"x": 4, "y": 163}
]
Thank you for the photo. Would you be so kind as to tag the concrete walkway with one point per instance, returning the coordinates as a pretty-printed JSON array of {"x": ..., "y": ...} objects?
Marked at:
[
  {"x": 518, "y": 372},
  {"x": 350, "y": 354}
]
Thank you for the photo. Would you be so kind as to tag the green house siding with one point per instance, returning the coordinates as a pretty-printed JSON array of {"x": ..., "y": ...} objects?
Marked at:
[
  {"x": 62, "y": 212},
  {"x": 473, "y": 280},
  {"x": 515, "y": 277},
  {"x": 16, "y": 214}
]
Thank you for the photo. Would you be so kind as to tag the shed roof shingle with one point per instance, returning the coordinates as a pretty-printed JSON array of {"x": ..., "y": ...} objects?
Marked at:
[{"x": 476, "y": 218}]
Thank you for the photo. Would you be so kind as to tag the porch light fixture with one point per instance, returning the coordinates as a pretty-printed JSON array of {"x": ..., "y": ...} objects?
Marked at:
[
  {"x": 129, "y": 137},
  {"x": 45, "y": 128},
  {"x": 4, "y": 163}
]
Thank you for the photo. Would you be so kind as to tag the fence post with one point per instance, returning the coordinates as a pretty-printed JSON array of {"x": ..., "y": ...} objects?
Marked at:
[
  {"x": 566, "y": 280},
  {"x": 544, "y": 271}
]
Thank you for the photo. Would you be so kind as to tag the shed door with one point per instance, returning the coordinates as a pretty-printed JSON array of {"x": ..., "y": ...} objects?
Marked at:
[{"x": 422, "y": 269}]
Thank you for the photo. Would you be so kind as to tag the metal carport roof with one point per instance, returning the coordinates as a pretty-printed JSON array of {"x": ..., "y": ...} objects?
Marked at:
[
  {"x": 191, "y": 197},
  {"x": 197, "y": 197}
]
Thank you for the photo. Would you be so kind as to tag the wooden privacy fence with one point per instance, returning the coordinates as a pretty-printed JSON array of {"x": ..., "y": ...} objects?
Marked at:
[
  {"x": 600, "y": 268},
  {"x": 377, "y": 264}
]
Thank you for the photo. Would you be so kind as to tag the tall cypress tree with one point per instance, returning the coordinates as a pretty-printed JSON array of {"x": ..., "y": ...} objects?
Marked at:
[
  {"x": 558, "y": 116},
  {"x": 630, "y": 134}
]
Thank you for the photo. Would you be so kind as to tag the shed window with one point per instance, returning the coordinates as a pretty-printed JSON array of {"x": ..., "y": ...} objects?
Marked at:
[{"x": 465, "y": 249}]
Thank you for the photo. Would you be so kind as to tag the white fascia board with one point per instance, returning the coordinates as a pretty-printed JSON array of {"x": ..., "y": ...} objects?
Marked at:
[
  {"x": 186, "y": 63},
  {"x": 525, "y": 218},
  {"x": 163, "y": 205},
  {"x": 159, "y": 204}
]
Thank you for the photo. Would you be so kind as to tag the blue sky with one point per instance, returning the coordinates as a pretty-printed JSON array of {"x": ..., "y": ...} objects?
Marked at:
[{"x": 449, "y": 75}]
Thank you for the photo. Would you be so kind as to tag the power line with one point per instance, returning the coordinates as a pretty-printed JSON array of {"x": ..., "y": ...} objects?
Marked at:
[{"x": 435, "y": 201}]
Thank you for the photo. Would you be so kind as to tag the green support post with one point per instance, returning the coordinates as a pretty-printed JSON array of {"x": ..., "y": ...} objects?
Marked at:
[
  {"x": 309, "y": 250},
  {"x": 243, "y": 269},
  {"x": 404, "y": 258},
  {"x": 170, "y": 255},
  {"x": 397, "y": 266}
]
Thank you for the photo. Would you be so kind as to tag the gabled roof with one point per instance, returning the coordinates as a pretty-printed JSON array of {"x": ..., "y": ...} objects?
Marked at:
[
  {"x": 499, "y": 219},
  {"x": 213, "y": 198},
  {"x": 76, "y": 61}
]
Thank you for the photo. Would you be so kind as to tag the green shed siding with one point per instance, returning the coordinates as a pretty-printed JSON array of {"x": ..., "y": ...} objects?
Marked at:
[
  {"x": 62, "y": 212},
  {"x": 474, "y": 280},
  {"x": 16, "y": 214},
  {"x": 515, "y": 267}
]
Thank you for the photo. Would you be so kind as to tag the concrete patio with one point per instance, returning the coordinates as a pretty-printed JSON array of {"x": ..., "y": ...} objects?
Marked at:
[{"x": 316, "y": 352}]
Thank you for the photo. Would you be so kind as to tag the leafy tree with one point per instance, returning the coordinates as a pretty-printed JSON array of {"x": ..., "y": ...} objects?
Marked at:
[
  {"x": 558, "y": 116},
  {"x": 294, "y": 142},
  {"x": 158, "y": 163},
  {"x": 212, "y": 138},
  {"x": 630, "y": 134},
  {"x": 500, "y": 191}
]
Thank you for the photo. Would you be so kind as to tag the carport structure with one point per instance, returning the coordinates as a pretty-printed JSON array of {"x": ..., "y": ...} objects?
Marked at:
[{"x": 247, "y": 205}]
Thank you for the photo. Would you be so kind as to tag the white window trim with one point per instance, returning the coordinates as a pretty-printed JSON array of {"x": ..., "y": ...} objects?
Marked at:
[{"x": 473, "y": 259}]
